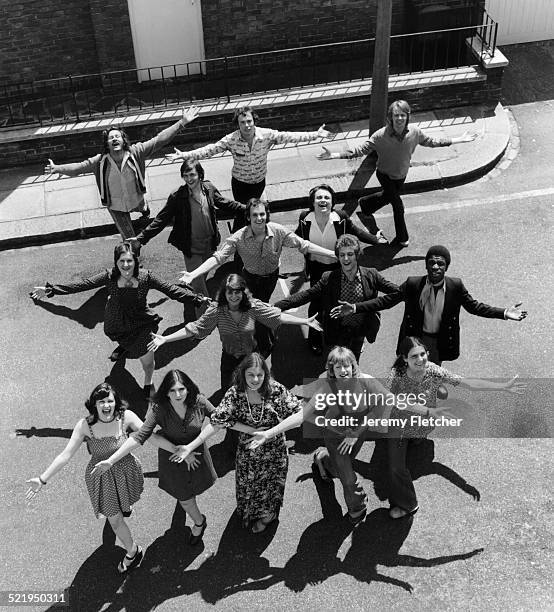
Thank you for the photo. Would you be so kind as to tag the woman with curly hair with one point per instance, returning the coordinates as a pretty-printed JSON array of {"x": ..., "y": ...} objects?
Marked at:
[{"x": 112, "y": 494}]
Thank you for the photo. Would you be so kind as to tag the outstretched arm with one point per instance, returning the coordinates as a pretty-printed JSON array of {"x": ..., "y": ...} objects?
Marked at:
[
  {"x": 77, "y": 437},
  {"x": 149, "y": 147},
  {"x": 365, "y": 149},
  {"x": 85, "y": 284},
  {"x": 478, "y": 384},
  {"x": 204, "y": 268},
  {"x": 200, "y": 328}
]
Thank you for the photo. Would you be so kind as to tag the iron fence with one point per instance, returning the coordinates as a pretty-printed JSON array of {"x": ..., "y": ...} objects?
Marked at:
[{"x": 91, "y": 96}]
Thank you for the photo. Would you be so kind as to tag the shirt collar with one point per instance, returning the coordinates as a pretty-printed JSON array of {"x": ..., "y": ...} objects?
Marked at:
[
  {"x": 390, "y": 131},
  {"x": 268, "y": 231},
  {"x": 357, "y": 276}
]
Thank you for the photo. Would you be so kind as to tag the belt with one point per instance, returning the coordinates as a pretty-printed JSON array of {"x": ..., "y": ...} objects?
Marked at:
[{"x": 263, "y": 275}]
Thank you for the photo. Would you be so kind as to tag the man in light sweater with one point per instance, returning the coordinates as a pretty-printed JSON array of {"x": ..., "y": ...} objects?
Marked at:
[{"x": 394, "y": 145}]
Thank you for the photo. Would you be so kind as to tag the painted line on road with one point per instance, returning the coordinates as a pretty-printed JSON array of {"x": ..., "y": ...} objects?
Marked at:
[{"x": 522, "y": 195}]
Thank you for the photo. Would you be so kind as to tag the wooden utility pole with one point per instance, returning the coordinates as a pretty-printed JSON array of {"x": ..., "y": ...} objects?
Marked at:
[{"x": 380, "y": 79}]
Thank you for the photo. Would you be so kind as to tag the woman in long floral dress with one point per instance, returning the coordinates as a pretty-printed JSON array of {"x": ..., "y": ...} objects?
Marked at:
[{"x": 255, "y": 401}]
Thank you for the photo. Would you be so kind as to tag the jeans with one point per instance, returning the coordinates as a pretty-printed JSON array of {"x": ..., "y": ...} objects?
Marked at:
[
  {"x": 401, "y": 487},
  {"x": 389, "y": 195},
  {"x": 123, "y": 223},
  {"x": 340, "y": 466},
  {"x": 262, "y": 287}
]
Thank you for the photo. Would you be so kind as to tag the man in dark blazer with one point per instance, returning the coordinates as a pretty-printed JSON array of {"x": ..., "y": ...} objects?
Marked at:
[
  {"x": 192, "y": 208},
  {"x": 432, "y": 307},
  {"x": 350, "y": 284}
]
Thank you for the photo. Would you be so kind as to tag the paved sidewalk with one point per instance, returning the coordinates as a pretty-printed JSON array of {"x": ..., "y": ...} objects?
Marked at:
[{"x": 35, "y": 208}]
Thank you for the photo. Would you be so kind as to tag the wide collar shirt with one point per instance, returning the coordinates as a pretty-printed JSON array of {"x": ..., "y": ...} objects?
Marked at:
[
  {"x": 261, "y": 257},
  {"x": 250, "y": 162},
  {"x": 125, "y": 195},
  {"x": 433, "y": 306},
  {"x": 326, "y": 238}
]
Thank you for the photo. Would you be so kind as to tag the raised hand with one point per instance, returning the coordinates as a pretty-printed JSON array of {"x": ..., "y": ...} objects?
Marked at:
[
  {"x": 156, "y": 342},
  {"x": 325, "y": 154},
  {"x": 342, "y": 310},
  {"x": 180, "y": 454},
  {"x": 314, "y": 323},
  {"x": 35, "y": 486},
  {"x": 514, "y": 386},
  {"x": 467, "y": 137},
  {"x": 258, "y": 438},
  {"x": 323, "y": 133},
  {"x": 50, "y": 167},
  {"x": 186, "y": 277},
  {"x": 38, "y": 293},
  {"x": 514, "y": 313},
  {"x": 177, "y": 155},
  {"x": 190, "y": 114},
  {"x": 191, "y": 461},
  {"x": 101, "y": 467},
  {"x": 345, "y": 447}
]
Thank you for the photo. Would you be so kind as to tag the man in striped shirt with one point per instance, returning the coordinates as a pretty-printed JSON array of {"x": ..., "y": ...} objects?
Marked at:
[
  {"x": 249, "y": 145},
  {"x": 259, "y": 245}
]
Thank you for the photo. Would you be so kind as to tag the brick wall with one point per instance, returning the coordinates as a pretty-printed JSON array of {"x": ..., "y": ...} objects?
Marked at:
[
  {"x": 48, "y": 39},
  {"x": 303, "y": 116},
  {"x": 44, "y": 39},
  {"x": 246, "y": 26}
]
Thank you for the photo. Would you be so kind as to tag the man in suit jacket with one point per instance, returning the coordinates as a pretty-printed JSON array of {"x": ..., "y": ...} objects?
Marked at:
[
  {"x": 192, "y": 209},
  {"x": 432, "y": 307},
  {"x": 350, "y": 284}
]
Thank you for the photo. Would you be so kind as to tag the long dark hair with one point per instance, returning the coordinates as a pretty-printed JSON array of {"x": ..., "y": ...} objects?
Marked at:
[
  {"x": 172, "y": 378},
  {"x": 124, "y": 247},
  {"x": 234, "y": 279},
  {"x": 252, "y": 361},
  {"x": 405, "y": 346},
  {"x": 100, "y": 392}
]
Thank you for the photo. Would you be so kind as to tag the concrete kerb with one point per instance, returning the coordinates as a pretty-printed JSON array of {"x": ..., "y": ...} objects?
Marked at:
[{"x": 493, "y": 142}]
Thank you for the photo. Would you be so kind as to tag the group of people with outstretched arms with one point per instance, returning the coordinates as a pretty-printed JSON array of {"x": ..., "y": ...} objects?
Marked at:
[{"x": 345, "y": 304}]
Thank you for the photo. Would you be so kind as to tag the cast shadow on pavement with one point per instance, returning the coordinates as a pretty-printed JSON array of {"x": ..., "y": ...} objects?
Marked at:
[
  {"x": 89, "y": 314},
  {"x": 128, "y": 388},
  {"x": 44, "y": 432}
]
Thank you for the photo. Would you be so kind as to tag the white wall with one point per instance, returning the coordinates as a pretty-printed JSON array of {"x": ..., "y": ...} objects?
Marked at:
[{"x": 522, "y": 20}]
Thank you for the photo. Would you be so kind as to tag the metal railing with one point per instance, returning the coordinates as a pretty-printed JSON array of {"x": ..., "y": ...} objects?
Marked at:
[{"x": 92, "y": 96}]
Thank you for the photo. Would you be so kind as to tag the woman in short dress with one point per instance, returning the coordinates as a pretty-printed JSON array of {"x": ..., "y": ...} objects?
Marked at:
[
  {"x": 179, "y": 409},
  {"x": 112, "y": 494},
  {"x": 127, "y": 319},
  {"x": 412, "y": 372},
  {"x": 255, "y": 401}
]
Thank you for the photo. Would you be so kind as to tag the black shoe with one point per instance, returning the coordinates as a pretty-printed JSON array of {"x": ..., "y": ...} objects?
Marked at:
[
  {"x": 146, "y": 212},
  {"x": 118, "y": 354},
  {"x": 136, "y": 560},
  {"x": 196, "y": 539},
  {"x": 399, "y": 513},
  {"x": 399, "y": 243}
]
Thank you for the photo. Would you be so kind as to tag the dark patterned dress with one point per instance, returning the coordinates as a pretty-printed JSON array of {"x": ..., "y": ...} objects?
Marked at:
[
  {"x": 175, "y": 478},
  {"x": 121, "y": 486},
  {"x": 400, "y": 383},
  {"x": 260, "y": 474},
  {"x": 127, "y": 318}
]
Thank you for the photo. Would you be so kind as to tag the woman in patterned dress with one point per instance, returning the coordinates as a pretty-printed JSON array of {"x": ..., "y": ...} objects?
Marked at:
[
  {"x": 112, "y": 494},
  {"x": 127, "y": 318},
  {"x": 412, "y": 372},
  {"x": 179, "y": 409},
  {"x": 254, "y": 402},
  {"x": 235, "y": 315}
]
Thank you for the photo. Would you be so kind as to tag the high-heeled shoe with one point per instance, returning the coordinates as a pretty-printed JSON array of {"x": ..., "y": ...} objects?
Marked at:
[
  {"x": 134, "y": 561},
  {"x": 196, "y": 539}
]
